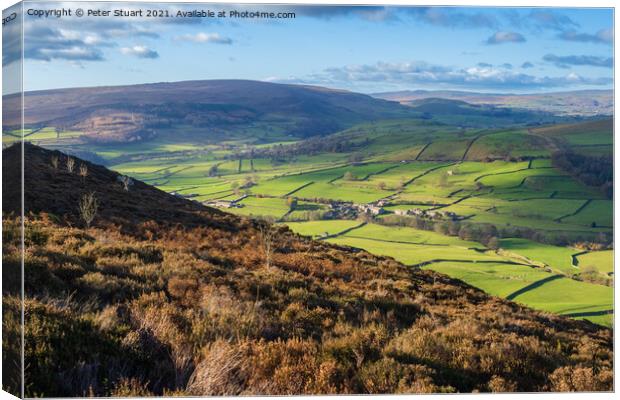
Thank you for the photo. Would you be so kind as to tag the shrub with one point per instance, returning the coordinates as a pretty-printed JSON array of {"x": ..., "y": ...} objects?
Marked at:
[
  {"x": 222, "y": 371},
  {"x": 70, "y": 164},
  {"x": 88, "y": 208}
]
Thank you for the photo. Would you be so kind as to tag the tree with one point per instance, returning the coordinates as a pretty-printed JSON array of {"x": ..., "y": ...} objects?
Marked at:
[
  {"x": 443, "y": 180},
  {"x": 213, "y": 171},
  {"x": 235, "y": 187},
  {"x": 70, "y": 164},
  {"x": 126, "y": 182},
  {"x": 291, "y": 202},
  {"x": 348, "y": 176},
  {"x": 355, "y": 157},
  {"x": 266, "y": 234},
  {"x": 55, "y": 162},
  {"x": 83, "y": 172},
  {"x": 493, "y": 243},
  {"x": 381, "y": 185},
  {"x": 88, "y": 208}
]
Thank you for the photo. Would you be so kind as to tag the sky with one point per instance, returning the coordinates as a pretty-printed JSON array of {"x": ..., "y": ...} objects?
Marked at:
[{"x": 363, "y": 49}]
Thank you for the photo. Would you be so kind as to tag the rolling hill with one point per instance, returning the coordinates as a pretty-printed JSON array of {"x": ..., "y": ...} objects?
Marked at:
[
  {"x": 137, "y": 112},
  {"x": 161, "y": 295},
  {"x": 218, "y": 110},
  {"x": 578, "y": 103}
]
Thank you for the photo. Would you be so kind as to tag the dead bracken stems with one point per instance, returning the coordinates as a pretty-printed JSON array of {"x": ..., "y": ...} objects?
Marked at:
[
  {"x": 83, "y": 172},
  {"x": 88, "y": 208},
  {"x": 266, "y": 234},
  {"x": 125, "y": 181},
  {"x": 70, "y": 164},
  {"x": 55, "y": 162}
]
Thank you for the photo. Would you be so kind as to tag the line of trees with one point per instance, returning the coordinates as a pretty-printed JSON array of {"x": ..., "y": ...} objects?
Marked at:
[
  {"x": 489, "y": 234},
  {"x": 592, "y": 171}
]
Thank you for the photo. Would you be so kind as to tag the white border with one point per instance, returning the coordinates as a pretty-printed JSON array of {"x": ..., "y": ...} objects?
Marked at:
[{"x": 489, "y": 3}]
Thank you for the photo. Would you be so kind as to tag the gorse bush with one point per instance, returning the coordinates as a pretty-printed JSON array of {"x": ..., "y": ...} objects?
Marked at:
[{"x": 167, "y": 309}]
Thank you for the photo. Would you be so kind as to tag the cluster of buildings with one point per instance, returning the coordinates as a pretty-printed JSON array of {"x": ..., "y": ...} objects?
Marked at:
[
  {"x": 184, "y": 196},
  {"x": 347, "y": 210},
  {"x": 236, "y": 203},
  {"x": 431, "y": 214}
]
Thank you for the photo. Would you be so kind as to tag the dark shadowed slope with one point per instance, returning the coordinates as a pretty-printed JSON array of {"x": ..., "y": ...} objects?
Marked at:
[
  {"x": 164, "y": 296},
  {"x": 57, "y": 191}
]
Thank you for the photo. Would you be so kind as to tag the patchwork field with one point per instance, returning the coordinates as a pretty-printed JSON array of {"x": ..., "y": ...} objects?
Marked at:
[
  {"x": 358, "y": 188},
  {"x": 527, "y": 272},
  {"x": 536, "y": 288}
]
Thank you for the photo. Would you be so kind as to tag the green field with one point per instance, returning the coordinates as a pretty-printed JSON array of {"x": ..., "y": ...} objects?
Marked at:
[
  {"x": 321, "y": 228},
  {"x": 601, "y": 260},
  {"x": 536, "y": 288},
  {"x": 269, "y": 207},
  {"x": 414, "y": 254},
  {"x": 557, "y": 258},
  {"x": 500, "y": 177}
]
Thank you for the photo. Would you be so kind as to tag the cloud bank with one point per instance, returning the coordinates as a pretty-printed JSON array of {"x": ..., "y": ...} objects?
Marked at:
[
  {"x": 415, "y": 74},
  {"x": 140, "y": 52},
  {"x": 567, "y": 61},
  {"x": 505, "y": 37},
  {"x": 202, "y": 37}
]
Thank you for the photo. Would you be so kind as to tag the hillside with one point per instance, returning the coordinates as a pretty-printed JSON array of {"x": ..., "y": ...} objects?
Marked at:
[
  {"x": 581, "y": 102},
  {"x": 139, "y": 112},
  {"x": 162, "y": 295},
  {"x": 213, "y": 111}
]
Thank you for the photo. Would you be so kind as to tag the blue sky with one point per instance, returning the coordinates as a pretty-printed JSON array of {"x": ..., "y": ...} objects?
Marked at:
[{"x": 364, "y": 49}]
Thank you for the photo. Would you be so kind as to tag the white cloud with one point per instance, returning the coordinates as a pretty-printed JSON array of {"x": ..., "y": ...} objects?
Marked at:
[
  {"x": 419, "y": 73},
  {"x": 140, "y": 51},
  {"x": 505, "y": 37},
  {"x": 202, "y": 37}
]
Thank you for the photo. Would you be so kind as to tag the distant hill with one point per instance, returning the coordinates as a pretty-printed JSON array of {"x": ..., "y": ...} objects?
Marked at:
[
  {"x": 579, "y": 103},
  {"x": 137, "y": 112},
  {"x": 265, "y": 112},
  {"x": 193, "y": 301},
  {"x": 464, "y": 113}
]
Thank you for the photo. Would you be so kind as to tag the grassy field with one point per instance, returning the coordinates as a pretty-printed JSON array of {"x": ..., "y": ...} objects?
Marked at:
[
  {"x": 502, "y": 177},
  {"x": 536, "y": 288},
  {"x": 270, "y": 207},
  {"x": 602, "y": 260},
  {"x": 506, "y": 145},
  {"x": 415, "y": 254},
  {"x": 321, "y": 228},
  {"x": 597, "y": 213},
  {"x": 557, "y": 258}
]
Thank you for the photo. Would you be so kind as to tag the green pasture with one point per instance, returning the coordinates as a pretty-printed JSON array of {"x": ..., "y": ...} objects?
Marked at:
[
  {"x": 342, "y": 191},
  {"x": 535, "y": 288},
  {"x": 497, "y": 279},
  {"x": 511, "y": 144},
  {"x": 602, "y": 260},
  {"x": 445, "y": 150},
  {"x": 260, "y": 207},
  {"x": 558, "y": 258},
  {"x": 306, "y": 211},
  {"x": 412, "y": 254},
  {"x": 598, "y": 213},
  {"x": 408, "y": 235},
  {"x": 321, "y": 228}
]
